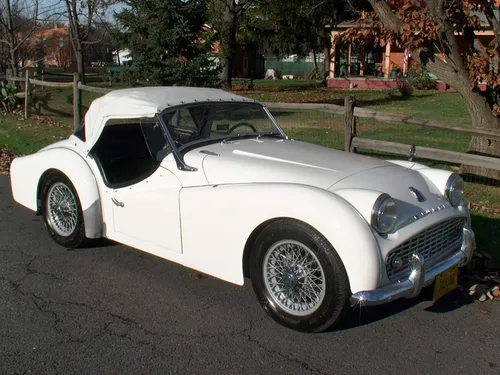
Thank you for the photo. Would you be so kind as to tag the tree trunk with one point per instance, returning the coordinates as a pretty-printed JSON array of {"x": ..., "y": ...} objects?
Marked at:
[
  {"x": 482, "y": 117},
  {"x": 227, "y": 73},
  {"x": 315, "y": 74},
  {"x": 230, "y": 49},
  {"x": 13, "y": 59},
  {"x": 80, "y": 65},
  {"x": 326, "y": 62},
  {"x": 11, "y": 38}
]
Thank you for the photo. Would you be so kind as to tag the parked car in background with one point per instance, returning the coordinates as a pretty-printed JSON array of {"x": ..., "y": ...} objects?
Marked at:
[{"x": 209, "y": 180}]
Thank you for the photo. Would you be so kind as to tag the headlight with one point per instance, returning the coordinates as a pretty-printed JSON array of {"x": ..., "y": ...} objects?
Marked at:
[
  {"x": 454, "y": 190},
  {"x": 384, "y": 214}
]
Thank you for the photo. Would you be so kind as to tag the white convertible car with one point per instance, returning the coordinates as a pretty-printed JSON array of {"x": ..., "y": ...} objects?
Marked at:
[{"x": 209, "y": 180}]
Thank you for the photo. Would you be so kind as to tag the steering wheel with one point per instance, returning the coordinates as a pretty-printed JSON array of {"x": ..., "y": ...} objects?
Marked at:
[{"x": 242, "y": 124}]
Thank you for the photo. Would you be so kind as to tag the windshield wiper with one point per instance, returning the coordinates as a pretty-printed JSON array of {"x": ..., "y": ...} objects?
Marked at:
[
  {"x": 259, "y": 135},
  {"x": 271, "y": 134},
  {"x": 235, "y": 136}
]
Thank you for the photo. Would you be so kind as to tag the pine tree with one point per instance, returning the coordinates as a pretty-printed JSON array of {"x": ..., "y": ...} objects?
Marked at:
[{"x": 168, "y": 43}]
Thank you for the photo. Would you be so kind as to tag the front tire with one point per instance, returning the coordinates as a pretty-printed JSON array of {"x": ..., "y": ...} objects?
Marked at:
[
  {"x": 62, "y": 211},
  {"x": 298, "y": 277}
]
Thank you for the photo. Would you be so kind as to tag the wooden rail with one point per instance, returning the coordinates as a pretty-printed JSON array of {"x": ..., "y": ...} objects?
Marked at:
[
  {"x": 15, "y": 79},
  {"x": 50, "y": 84},
  {"x": 386, "y": 117},
  {"x": 352, "y": 141},
  {"x": 101, "y": 90},
  {"x": 427, "y": 153},
  {"x": 77, "y": 86}
]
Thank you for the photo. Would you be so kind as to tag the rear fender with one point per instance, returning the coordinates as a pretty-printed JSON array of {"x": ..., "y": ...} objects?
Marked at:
[{"x": 27, "y": 174}]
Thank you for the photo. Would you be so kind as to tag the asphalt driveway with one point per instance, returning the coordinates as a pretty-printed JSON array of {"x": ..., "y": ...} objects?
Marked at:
[{"x": 113, "y": 309}]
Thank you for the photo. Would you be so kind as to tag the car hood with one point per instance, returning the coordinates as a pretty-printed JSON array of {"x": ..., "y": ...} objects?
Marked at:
[{"x": 276, "y": 160}]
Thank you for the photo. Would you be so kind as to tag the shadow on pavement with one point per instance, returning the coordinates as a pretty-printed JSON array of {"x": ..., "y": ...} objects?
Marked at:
[{"x": 362, "y": 315}]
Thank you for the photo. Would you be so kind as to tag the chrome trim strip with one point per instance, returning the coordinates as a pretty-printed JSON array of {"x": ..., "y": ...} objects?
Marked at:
[{"x": 419, "y": 276}]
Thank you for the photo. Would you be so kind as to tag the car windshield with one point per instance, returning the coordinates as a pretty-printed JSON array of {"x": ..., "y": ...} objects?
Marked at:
[{"x": 218, "y": 121}]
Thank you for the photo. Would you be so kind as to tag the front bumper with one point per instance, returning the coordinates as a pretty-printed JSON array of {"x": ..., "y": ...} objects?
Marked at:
[{"x": 419, "y": 276}]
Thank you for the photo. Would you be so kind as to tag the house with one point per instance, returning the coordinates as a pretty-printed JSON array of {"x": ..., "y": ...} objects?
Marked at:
[
  {"x": 122, "y": 57},
  {"x": 376, "y": 66},
  {"x": 49, "y": 47},
  {"x": 52, "y": 47}
]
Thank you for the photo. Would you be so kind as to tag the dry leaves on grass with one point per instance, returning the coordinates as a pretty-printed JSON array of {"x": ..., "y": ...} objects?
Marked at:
[
  {"x": 483, "y": 207},
  {"x": 480, "y": 280},
  {"x": 6, "y": 157}
]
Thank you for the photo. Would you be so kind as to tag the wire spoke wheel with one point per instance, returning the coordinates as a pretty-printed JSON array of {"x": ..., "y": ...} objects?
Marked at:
[
  {"x": 293, "y": 277},
  {"x": 62, "y": 209}
]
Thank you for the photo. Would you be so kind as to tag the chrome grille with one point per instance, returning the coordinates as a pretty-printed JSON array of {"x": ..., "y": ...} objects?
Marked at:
[{"x": 433, "y": 244}]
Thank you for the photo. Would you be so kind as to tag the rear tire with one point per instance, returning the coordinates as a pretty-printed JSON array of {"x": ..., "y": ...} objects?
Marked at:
[
  {"x": 62, "y": 211},
  {"x": 298, "y": 277}
]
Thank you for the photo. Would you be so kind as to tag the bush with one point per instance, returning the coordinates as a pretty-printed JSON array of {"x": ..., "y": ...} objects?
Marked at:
[
  {"x": 420, "y": 79},
  {"x": 8, "y": 96}
]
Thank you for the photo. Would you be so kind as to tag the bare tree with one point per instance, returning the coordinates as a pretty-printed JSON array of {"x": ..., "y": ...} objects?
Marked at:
[
  {"x": 82, "y": 15},
  {"x": 18, "y": 21}
]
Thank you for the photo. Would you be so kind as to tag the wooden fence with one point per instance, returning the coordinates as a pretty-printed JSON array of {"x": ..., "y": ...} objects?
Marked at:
[
  {"x": 353, "y": 141},
  {"x": 75, "y": 84},
  {"x": 349, "y": 111}
]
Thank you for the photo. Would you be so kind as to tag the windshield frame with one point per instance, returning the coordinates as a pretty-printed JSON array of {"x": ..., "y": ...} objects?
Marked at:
[{"x": 179, "y": 152}]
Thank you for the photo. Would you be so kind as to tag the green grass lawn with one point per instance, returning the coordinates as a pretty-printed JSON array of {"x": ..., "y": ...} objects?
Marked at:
[
  {"x": 432, "y": 105},
  {"x": 27, "y": 136}
]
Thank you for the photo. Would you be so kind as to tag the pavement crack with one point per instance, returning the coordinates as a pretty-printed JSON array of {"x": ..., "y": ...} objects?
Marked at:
[{"x": 246, "y": 334}]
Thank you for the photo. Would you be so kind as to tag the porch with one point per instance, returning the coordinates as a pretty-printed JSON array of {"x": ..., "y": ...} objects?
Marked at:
[{"x": 363, "y": 67}]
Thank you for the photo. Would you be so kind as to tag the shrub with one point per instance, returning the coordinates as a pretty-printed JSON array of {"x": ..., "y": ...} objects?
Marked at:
[
  {"x": 9, "y": 96},
  {"x": 420, "y": 79}
]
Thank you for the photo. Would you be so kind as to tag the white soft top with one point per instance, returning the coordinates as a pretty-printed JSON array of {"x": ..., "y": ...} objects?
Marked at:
[{"x": 145, "y": 102}]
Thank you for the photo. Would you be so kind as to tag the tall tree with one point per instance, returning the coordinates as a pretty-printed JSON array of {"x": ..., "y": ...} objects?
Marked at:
[
  {"x": 18, "y": 21},
  {"x": 82, "y": 14},
  {"x": 442, "y": 35},
  {"x": 168, "y": 42},
  {"x": 224, "y": 16}
]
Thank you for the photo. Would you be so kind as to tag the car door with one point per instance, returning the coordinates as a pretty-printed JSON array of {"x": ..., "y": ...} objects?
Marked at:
[
  {"x": 148, "y": 211},
  {"x": 143, "y": 196}
]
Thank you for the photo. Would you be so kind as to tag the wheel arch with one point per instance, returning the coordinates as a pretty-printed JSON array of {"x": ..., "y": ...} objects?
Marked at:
[
  {"x": 250, "y": 243},
  {"x": 79, "y": 173}
]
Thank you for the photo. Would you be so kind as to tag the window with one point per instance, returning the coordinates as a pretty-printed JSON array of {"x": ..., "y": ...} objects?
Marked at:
[
  {"x": 129, "y": 151},
  {"x": 215, "y": 121}
]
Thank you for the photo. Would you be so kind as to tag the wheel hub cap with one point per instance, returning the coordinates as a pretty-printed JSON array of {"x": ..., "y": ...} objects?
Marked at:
[
  {"x": 290, "y": 280},
  {"x": 294, "y": 277}
]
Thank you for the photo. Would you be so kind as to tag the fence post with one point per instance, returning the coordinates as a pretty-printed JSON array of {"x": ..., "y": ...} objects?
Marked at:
[
  {"x": 27, "y": 95},
  {"x": 350, "y": 123},
  {"x": 77, "y": 101}
]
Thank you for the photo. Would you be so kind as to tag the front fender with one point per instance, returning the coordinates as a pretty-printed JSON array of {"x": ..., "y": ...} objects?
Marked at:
[
  {"x": 217, "y": 221},
  {"x": 27, "y": 172}
]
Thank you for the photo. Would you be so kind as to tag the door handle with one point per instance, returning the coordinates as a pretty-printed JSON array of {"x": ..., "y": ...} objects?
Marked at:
[{"x": 117, "y": 202}]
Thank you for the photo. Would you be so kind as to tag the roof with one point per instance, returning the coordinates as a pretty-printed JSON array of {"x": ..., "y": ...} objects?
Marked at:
[
  {"x": 345, "y": 24},
  {"x": 146, "y": 102}
]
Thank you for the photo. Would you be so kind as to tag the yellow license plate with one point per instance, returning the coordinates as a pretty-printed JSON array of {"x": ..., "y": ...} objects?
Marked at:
[{"x": 446, "y": 282}]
